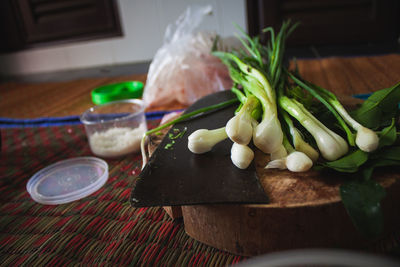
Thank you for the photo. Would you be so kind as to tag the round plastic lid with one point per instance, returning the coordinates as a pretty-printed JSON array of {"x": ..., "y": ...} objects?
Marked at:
[{"x": 68, "y": 180}]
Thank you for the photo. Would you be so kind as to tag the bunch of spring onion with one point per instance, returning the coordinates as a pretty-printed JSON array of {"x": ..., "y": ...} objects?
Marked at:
[{"x": 273, "y": 118}]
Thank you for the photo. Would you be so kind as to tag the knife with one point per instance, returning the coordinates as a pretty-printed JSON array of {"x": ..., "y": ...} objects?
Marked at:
[{"x": 174, "y": 176}]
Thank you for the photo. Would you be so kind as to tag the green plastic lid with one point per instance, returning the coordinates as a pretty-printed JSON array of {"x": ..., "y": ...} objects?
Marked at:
[{"x": 117, "y": 91}]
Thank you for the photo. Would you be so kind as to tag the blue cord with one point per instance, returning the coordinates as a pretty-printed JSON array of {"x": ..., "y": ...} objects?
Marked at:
[{"x": 59, "y": 121}]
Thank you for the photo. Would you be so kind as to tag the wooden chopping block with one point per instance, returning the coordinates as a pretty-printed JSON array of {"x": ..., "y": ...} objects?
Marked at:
[{"x": 305, "y": 212}]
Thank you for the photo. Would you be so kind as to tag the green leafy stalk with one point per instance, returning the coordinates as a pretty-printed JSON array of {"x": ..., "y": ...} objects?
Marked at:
[
  {"x": 190, "y": 115},
  {"x": 256, "y": 111},
  {"x": 240, "y": 96},
  {"x": 248, "y": 76},
  {"x": 252, "y": 46},
  {"x": 277, "y": 49}
]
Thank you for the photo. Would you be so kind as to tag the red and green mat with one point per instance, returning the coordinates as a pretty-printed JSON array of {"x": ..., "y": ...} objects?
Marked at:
[{"x": 101, "y": 229}]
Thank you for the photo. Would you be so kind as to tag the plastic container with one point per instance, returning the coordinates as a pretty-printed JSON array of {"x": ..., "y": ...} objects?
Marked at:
[
  {"x": 68, "y": 180},
  {"x": 115, "y": 129}
]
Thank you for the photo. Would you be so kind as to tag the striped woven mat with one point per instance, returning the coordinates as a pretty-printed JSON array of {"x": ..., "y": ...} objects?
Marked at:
[{"x": 102, "y": 229}]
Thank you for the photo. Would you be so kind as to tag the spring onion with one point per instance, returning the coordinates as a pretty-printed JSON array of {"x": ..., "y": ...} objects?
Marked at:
[
  {"x": 239, "y": 128},
  {"x": 203, "y": 140},
  {"x": 241, "y": 155},
  {"x": 366, "y": 139},
  {"x": 294, "y": 161},
  {"x": 267, "y": 135},
  {"x": 331, "y": 145},
  {"x": 322, "y": 97},
  {"x": 280, "y": 153},
  {"x": 297, "y": 139}
]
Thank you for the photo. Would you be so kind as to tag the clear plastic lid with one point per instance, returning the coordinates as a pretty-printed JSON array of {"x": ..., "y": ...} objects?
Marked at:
[{"x": 68, "y": 180}]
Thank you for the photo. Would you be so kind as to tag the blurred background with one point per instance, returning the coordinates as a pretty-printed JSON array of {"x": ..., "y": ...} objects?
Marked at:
[{"x": 66, "y": 39}]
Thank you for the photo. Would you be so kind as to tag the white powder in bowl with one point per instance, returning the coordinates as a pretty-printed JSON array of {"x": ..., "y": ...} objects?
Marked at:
[{"x": 116, "y": 141}]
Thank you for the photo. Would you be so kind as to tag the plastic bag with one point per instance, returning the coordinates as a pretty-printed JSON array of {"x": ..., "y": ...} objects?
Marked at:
[{"x": 183, "y": 69}]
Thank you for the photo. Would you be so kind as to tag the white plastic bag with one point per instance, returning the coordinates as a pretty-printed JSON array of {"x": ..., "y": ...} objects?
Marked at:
[{"x": 183, "y": 69}]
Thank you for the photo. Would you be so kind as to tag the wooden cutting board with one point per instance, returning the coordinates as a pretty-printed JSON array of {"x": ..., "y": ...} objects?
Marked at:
[{"x": 305, "y": 211}]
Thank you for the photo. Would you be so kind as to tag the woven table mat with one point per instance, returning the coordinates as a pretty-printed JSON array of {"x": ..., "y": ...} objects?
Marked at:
[{"x": 101, "y": 229}]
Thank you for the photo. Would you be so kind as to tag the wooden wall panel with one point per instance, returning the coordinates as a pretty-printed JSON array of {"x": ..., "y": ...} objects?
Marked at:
[{"x": 329, "y": 21}]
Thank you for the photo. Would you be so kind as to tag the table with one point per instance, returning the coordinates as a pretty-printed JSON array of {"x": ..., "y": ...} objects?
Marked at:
[{"x": 103, "y": 229}]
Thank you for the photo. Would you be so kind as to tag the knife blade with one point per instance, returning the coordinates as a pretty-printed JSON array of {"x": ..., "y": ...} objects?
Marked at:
[{"x": 174, "y": 176}]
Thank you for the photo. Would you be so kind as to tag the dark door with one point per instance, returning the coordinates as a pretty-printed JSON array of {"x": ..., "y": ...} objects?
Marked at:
[{"x": 329, "y": 21}]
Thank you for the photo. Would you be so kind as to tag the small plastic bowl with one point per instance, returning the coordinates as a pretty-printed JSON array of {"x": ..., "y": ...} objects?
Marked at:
[{"x": 115, "y": 129}]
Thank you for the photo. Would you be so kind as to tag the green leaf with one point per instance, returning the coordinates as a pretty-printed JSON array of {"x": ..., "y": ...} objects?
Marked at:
[
  {"x": 362, "y": 200},
  {"x": 388, "y": 135},
  {"x": 390, "y": 156},
  {"x": 349, "y": 163},
  {"x": 392, "y": 153},
  {"x": 368, "y": 170},
  {"x": 379, "y": 108}
]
